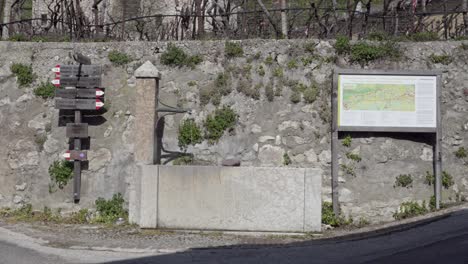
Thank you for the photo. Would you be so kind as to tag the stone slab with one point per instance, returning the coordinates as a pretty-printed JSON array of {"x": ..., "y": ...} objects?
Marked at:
[
  {"x": 149, "y": 197},
  {"x": 238, "y": 199}
]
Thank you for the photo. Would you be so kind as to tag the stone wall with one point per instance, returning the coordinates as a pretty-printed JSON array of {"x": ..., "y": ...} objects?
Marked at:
[{"x": 264, "y": 133}]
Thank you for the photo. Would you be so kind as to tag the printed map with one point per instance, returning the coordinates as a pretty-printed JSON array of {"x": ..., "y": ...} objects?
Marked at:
[{"x": 379, "y": 97}]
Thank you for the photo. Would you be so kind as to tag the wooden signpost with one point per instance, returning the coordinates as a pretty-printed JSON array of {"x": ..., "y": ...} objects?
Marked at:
[{"x": 82, "y": 83}]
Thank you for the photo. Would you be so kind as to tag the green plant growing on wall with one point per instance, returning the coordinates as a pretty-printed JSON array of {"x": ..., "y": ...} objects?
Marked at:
[
  {"x": 447, "y": 179},
  {"x": 329, "y": 217},
  {"x": 295, "y": 97},
  {"x": 363, "y": 52},
  {"x": 292, "y": 64},
  {"x": 61, "y": 172},
  {"x": 460, "y": 153},
  {"x": 310, "y": 47},
  {"x": 23, "y": 73},
  {"x": 222, "y": 84},
  {"x": 348, "y": 169},
  {"x": 261, "y": 70},
  {"x": 184, "y": 160},
  {"x": 176, "y": 57},
  {"x": 110, "y": 210},
  {"x": 189, "y": 134},
  {"x": 278, "y": 90},
  {"x": 192, "y": 83},
  {"x": 233, "y": 49},
  {"x": 442, "y": 59},
  {"x": 378, "y": 36},
  {"x": 342, "y": 45},
  {"x": 119, "y": 58},
  {"x": 404, "y": 180},
  {"x": 278, "y": 72},
  {"x": 223, "y": 119},
  {"x": 410, "y": 209},
  {"x": 40, "y": 140},
  {"x": 353, "y": 157},
  {"x": 269, "y": 92},
  {"x": 18, "y": 37},
  {"x": 347, "y": 141},
  {"x": 286, "y": 159},
  {"x": 424, "y": 36},
  {"x": 310, "y": 94},
  {"x": 45, "y": 90},
  {"x": 269, "y": 60}
]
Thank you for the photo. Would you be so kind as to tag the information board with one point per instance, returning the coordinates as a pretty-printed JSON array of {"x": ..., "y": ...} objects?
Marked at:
[{"x": 387, "y": 102}]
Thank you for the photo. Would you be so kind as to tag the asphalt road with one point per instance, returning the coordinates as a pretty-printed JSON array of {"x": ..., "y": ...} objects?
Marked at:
[{"x": 442, "y": 241}]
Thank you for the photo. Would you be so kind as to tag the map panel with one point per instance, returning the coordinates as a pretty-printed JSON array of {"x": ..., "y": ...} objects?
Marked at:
[{"x": 379, "y": 97}]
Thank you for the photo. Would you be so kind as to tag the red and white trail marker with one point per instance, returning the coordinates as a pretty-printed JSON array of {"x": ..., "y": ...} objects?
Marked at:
[
  {"x": 99, "y": 104},
  {"x": 99, "y": 93},
  {"x": 75, "y": 155},
  {"x": 56, "y": 82}
]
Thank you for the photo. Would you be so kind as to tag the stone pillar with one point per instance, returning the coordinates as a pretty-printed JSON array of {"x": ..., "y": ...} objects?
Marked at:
[{"x": 147, "y": 85}]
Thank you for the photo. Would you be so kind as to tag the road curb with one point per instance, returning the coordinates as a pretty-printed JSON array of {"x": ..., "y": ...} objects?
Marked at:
[{"x": 384, "y": 231}]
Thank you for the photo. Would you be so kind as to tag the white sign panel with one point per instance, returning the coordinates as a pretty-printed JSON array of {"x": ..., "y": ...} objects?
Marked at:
[{"x": 397, "y": 101}]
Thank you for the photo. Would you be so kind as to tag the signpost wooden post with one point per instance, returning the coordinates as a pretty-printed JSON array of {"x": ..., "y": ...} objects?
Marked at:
[{"x": 82, "y": 82}]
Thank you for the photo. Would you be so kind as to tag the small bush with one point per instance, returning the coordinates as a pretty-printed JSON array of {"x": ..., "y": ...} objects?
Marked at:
[
  {"x": 18, "y": 37},
  {"x": 424, "y": 36},
  {"x": 310, "y": 94},
  {"x": 215, "y": 124},
  {"x": 292, "y": 64},
  {"x": 61, "y": 172},
  {"x": 342, "y": 45},
  {"x": 442, "y": 59},
  {"x": 233, "y": 49},
  {"x": 184, "y": 160},
  {"x": 269, "y": 93},
  {"x": 80, "y": 217},
  {"x": 119, "y": 58},
  {"x": 248, "y": 90},
  {"x": 364, "y": 53},
  {"x": 176, "y": 57},
  {"x": 329, "y": 217},
  {"x": 24, "y": 73},
  {"x": 404, "y": 180},
  {"x": 295, "y": 97},
  {"x": 310, "y": 47},
  {"x": 460, "y": 153},
  {"x": 354, "y": 157},
  {"x": 286, "y": 159},
  {"x": 278, "y": 90},
  {"x": 347, "y": 141},
  {"x": 189, "y": 134},
  {"x": 222, "y": 84},
  {"x": 45, "y": 90},
  {"x": 192, "y": 83},
  {"x": 110, "y": 210},
  {"x": 410, "y": 209}
]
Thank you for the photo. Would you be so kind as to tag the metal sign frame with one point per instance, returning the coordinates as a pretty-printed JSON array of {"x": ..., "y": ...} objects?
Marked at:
[{"x": 437, "y": 131}]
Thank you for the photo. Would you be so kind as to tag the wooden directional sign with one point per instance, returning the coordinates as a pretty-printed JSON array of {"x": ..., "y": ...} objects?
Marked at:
[
  {"x": 76, "y": 155},
  {"x": 83, "y": 82},
  {"x": 77, "y": 130},
  {"x": 78, "y": 93},
  {"x": 75, "y": 70},
  {"x": 78, "y": 104}
]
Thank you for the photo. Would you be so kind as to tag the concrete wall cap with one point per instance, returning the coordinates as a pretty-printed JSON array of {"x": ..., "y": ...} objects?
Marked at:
[{"x": 147, "y": 70}]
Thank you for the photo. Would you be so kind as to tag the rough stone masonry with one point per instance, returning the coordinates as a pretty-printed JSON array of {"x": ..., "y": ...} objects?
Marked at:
[{"x": 272, "y": 130}]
